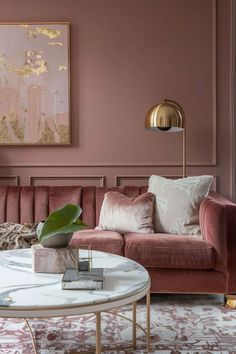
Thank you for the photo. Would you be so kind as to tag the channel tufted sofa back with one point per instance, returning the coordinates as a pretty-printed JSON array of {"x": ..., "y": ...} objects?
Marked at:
[{"x": 22, "y": 204}]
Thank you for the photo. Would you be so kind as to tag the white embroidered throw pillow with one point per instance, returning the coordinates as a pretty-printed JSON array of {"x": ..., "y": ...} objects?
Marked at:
[{"x": 177, "y": 203}]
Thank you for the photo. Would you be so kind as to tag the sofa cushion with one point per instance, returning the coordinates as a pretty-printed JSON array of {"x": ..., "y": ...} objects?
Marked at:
[
  {"x": 123, "y": 214},
  {"x": 178, "y": 202},
  {"x": 106, "y": 241},
  {"x": 169, "y": 251}
]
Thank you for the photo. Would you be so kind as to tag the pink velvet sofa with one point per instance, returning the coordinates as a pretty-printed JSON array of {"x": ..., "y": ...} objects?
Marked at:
[{"x": 178, "y": 264}]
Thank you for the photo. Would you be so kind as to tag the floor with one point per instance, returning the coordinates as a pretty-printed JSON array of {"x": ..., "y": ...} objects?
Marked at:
[{"x": 197, "y": 324}]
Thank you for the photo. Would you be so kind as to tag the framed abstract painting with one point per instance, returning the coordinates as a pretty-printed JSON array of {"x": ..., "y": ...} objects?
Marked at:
[{"x": 35, "y": 84}]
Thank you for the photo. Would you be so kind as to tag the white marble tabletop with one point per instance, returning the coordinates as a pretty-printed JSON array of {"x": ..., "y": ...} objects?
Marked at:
[{"x": 22, "y": 289}]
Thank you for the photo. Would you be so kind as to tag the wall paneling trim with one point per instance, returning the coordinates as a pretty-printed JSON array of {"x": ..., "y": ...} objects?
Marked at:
[{"x": 67, "y": 180}]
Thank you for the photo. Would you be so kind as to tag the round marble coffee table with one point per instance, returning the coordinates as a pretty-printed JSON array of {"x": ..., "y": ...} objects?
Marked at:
[{"x": 25, "y": 294}]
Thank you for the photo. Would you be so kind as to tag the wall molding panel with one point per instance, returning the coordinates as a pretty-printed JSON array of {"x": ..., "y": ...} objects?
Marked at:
[
  {"x": 10, "y": 180},
  {"x": 233, "y": 104},
  {"x": 86, "y": 180},
  {"x": 211, "y": 12},
  {"x": 67, "y": 180},
  {"x": 131, "y": 180},
  {"x": 115, "y": 149},
  {"x": 90, "y": 177},
  {"x": 125, "y": 180},
  {"x": 214, "y": 83},
  {"x": 106, "y": 164}
]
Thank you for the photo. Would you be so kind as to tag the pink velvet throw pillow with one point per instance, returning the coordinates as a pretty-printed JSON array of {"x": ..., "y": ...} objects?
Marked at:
[{"x": 123, "y": 214}]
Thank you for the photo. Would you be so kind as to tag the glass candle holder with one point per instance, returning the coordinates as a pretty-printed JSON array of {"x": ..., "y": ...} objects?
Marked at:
[{"x": 85, "y": 259}]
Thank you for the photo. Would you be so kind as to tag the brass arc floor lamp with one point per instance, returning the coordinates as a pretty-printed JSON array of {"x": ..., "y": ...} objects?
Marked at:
[{"x": 168, "y": 117}]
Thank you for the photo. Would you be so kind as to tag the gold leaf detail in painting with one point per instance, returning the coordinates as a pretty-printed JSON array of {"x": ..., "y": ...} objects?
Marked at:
[
  {"x": 62, "y": 67},
  {"x": 34, "y": 65},
  {"x": 45, "y": 31},
  {"x": 56, "y": 43}
]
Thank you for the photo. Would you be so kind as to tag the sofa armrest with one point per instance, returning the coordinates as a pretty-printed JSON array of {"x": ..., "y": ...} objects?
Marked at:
[{"x": 218, "y": 225}]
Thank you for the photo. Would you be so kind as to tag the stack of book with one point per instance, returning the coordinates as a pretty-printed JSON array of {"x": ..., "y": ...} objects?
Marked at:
[{"x": 87, "y": 280}]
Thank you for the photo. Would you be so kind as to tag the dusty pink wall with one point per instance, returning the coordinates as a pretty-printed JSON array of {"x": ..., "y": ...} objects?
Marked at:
[{"x": 127, "y": 55}]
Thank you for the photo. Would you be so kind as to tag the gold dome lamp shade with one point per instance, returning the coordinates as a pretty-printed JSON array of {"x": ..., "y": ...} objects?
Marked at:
[{"x": 168, "y": 117}]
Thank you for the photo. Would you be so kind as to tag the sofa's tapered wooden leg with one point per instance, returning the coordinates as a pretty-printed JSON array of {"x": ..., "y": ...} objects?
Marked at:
[{"x": 230, "y": 301}]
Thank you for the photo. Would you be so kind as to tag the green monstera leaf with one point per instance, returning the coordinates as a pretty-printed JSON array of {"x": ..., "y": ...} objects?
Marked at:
[{"x": 61, "y": 221}]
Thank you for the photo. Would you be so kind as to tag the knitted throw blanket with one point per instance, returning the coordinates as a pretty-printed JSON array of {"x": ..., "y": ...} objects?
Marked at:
[{"x": 17, "y": 235}]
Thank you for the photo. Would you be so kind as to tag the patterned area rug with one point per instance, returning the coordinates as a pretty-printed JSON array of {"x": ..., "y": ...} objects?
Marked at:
[{"x": 196, "y": 324}]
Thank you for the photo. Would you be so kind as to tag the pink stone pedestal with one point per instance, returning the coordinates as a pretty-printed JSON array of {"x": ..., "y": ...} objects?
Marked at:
[{"x": 53, "y": 260}]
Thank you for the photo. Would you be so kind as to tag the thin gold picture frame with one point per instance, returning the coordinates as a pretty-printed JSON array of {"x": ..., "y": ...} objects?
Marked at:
[{"x": 35, "y": 97}]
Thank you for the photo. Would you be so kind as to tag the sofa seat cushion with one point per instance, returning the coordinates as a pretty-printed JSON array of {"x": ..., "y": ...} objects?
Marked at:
[
  {"x": 169, "y": 251},
  {"x": 106, "y": 241}
]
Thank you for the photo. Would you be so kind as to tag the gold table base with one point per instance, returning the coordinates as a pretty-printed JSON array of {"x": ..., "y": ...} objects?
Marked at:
[{"x": 99, "y": 348}]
